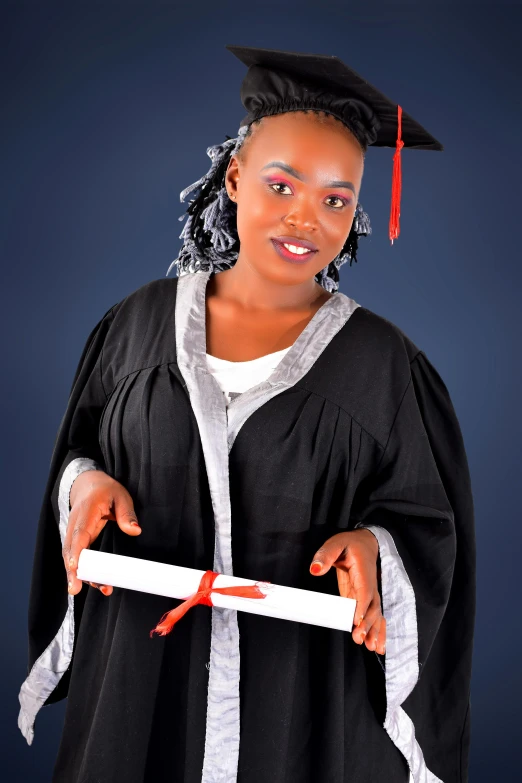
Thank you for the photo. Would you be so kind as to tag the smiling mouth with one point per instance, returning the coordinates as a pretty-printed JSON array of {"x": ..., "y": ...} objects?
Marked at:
[{"x": 292, "y": 252}]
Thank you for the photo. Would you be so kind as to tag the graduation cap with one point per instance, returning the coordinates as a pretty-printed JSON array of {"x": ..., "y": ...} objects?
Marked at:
[{"x": 279, "y": 81}]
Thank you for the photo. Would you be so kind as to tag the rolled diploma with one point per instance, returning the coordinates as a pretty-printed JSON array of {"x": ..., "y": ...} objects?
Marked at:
[{"x": 148, "y": 576}]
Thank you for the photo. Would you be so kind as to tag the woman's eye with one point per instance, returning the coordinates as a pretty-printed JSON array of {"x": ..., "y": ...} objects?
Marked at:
[
  {"x": 342, "y": 202},
  {"x": 279, "y": 185},
  {"x": 337, "y": 198}
]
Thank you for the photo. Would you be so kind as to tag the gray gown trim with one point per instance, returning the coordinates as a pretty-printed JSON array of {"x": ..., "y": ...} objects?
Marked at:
[
  {"x": 218, "y": 428},
  {"x": 402, "y": 653},
  {"x": 52, "y": 664}
]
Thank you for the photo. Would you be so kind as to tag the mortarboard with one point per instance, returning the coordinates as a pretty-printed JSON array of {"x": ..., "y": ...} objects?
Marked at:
[{"x": 279, "y": 81}]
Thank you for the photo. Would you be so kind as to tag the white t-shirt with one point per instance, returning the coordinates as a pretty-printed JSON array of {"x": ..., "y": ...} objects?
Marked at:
[{"x": 236, "y": 377}]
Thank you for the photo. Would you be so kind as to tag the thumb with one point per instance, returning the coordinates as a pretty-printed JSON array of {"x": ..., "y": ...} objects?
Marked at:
[
  {"x": 324, "y": 558},
  {"x": 126, "y": 516}
]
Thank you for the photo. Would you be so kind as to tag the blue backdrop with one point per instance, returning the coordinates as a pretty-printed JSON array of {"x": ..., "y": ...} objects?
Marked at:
[{"x": 108, "y": 110}]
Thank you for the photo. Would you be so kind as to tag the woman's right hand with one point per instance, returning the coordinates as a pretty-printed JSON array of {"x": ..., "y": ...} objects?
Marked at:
[{"x": 95, "y": 498}]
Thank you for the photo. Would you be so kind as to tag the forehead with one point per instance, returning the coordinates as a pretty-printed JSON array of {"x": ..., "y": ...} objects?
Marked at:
[{"x": 306, "y": 142}]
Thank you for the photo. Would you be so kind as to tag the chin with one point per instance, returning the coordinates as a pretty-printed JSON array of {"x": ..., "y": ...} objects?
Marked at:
[{"x": 286, "y": 274}]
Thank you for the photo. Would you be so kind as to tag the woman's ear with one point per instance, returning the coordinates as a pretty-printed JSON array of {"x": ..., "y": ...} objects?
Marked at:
[{"x": 232, "y": 178}]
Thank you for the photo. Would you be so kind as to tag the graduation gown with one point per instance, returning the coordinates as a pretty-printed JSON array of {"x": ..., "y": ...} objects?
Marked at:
[{"x": 353, "y": 428}]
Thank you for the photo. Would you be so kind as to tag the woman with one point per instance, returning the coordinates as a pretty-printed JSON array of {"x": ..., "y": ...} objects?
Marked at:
[{"x": 247, "y": 417}]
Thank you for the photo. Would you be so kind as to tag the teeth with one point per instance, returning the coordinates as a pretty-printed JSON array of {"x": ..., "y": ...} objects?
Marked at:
[{"x": 300, "y": 251}]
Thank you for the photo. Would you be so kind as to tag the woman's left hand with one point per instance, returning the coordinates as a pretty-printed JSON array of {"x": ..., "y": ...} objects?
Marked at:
[{"x": 354, "y": 555}]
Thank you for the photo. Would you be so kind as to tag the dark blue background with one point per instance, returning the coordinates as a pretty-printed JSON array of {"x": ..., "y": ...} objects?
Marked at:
[{"x": 108, "y": 111}]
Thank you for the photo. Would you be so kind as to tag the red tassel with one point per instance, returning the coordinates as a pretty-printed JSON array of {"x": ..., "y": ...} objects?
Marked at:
[
  {"x": 395, "y": 212},
  {"x": 202, "y": 596}
]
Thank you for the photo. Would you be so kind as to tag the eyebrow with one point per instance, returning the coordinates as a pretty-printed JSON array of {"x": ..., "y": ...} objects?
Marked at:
[{"x": 278, "y": 164}]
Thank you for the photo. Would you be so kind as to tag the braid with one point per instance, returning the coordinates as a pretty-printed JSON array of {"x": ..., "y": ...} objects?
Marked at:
[{"x": 210, "y": 238}]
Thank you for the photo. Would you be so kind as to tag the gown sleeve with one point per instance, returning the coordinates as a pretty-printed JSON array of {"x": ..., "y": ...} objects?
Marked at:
[
  {"x": 53, "y": 613},
  {"x": 419, "y": 505}
]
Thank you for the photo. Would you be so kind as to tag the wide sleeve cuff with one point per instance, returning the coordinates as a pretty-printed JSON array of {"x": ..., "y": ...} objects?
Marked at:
[
  {"x": 402, "y": 653},
  {"x": 71, "y": 472},
  {"x": 52, "y": 664}
]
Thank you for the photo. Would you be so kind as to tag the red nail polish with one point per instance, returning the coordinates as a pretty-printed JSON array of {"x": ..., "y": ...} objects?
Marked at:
[{"x": 316, "y": 568}]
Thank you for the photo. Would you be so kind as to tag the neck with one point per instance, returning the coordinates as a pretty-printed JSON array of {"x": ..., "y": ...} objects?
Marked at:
[{"x": 243, "y": 285}]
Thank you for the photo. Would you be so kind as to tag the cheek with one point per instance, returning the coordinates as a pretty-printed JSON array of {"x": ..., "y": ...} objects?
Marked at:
[
  {"x": 262, "y": 214},
  {"x": 258, "y": 216},
  {"x": 336, "y": 228}
]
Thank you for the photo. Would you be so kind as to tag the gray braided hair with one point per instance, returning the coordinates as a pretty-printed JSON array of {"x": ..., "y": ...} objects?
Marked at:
[{"x": 210, "y": 238}]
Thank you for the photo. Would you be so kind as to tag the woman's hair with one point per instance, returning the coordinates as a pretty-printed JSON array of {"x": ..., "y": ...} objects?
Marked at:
[{"x": 210, "y": 238}]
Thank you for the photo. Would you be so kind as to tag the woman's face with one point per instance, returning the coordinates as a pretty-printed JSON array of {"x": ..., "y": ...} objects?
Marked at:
[{"x": 300, "y": 178}]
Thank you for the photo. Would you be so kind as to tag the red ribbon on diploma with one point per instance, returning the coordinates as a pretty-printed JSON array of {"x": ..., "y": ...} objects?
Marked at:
[{"x": 202, "y": 596}]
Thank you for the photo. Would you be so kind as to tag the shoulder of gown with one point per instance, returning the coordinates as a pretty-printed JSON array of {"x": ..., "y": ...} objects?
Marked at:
[
  {"x": 385, "y": 335},
  {"x": 365, "y": 370}
]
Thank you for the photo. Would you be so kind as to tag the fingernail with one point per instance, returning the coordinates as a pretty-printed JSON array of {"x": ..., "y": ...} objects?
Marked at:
[
  {"x": 71, "y": 561},
  {"x": 316, "y": 567},
  {"x": 135, "y": 524},
  {"x": 70, "y": 584}
]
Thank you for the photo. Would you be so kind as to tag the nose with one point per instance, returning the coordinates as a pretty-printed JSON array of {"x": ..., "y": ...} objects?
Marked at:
[{"x": 301, "y": 216}]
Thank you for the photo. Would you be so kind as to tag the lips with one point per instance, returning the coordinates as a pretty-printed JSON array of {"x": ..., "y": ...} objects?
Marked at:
[
  {"x": 289, "y": 255},
  {"x": 297, "y": 242}
]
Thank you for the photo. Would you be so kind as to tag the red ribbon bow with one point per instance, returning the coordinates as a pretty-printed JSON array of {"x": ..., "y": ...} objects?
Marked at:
[{"x": 202, "y": 596}]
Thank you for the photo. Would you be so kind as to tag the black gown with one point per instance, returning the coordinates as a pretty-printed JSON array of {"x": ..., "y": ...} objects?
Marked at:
[{"x": 354, "y": 427}]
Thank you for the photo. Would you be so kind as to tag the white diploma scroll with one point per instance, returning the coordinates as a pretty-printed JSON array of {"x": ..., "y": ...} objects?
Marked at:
[{"x": 148, "y": 576}]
